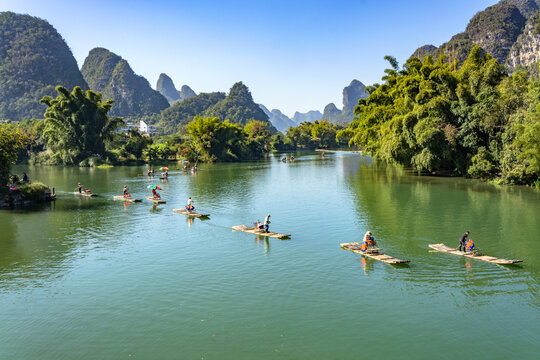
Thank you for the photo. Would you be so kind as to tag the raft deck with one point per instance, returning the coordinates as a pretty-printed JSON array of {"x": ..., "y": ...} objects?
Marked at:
[
  {"x": 252, "y": 230},
  {"x": 372, "y": 253},
  {"x": 84, "y": 194},
  {"x": 190, "y": 213},
  {"x": 472, "y": 255},
  {"x": 156, "y": 200},
  {"x": 130, "y": 199}
]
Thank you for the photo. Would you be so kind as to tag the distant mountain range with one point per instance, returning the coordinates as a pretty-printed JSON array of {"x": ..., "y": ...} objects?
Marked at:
[{"x": 34, "y": 59}]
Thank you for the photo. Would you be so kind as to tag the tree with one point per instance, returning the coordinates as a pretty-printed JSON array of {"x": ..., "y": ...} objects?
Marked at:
[
  {"x": 136, "y": 144},
  {"x": 76, "y": 125},
  {"x": 216, "y": 140},
  {"x": 258, "y": 131},
  {"x": 11, "y": 141}
]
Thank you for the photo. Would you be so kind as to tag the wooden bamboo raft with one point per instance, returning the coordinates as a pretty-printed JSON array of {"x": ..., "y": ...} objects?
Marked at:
[
  {"x": 84, "y": 194},
  {"x": 156, "y": 200},
  {"x": 130, "y": 199},
  {"x": 372, "y": 253},
  {"x": 190, "y": 213},
  {"x": 247, "y": 229},
  {"x": 472, "y": 255}
]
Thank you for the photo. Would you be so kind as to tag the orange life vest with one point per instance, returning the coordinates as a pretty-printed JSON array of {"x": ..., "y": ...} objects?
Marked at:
[
  {"x": 469, "y": 245},
  {"x": 364, "y": 246}
]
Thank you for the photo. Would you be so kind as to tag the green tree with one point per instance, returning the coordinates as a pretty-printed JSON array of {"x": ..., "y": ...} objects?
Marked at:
[
  {"x": 136, "y": 144},
  {"x": 12, "y": 140},
  {"x": 76, "y": 125},
  {"x": 216, "y": 140}
]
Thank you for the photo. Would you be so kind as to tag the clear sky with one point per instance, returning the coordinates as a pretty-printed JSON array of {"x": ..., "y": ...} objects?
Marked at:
[{"x": 293, "y": 55}]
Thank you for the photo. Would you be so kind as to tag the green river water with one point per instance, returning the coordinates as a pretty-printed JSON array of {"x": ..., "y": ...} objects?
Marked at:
[{"x": 99, "y": 279}]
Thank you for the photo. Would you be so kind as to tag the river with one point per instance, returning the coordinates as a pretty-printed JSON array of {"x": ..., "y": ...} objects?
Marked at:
[{"x": 93, "y": 278}]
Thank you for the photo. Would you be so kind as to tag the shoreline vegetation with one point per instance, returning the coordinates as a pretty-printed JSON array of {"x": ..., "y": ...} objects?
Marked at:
[{"x": 473, "y": 121}]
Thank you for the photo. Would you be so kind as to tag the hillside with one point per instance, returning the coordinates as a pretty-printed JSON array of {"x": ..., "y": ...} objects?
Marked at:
[
  {"x": 182, "y": 112},
  {"x": 34, "y": 59},
  {"x": 111, "y": 75},
  {"x": 502, "y": 30},
  {"x": 526, "y": 50},
  {"x": 238, "y": 107}
]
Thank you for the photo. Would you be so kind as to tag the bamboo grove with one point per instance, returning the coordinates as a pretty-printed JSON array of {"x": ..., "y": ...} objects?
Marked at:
[{"x": 473, "y": 121}]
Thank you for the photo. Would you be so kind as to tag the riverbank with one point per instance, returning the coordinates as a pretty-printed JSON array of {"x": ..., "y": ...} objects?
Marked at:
[{"x": 26, "y": 194}]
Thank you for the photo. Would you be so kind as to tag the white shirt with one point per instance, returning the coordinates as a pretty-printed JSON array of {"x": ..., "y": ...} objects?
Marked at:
[
  {"x": 189, "y": 201},
  {"x": 267, "y": 220}
]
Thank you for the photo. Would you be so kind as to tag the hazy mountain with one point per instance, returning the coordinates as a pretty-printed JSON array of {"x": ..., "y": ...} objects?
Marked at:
[
  {"x": 280, "y": 121},
  {"x": 34, "y": 59},
  {"x": 331, "y": 113},
  {"x": 351, "y": 94},
  {"x": 186, "y": 92},
  {"x": 165, "y": 87},
  {"x": 311, "y": 115},
  {"x": 111, "y": 75}
]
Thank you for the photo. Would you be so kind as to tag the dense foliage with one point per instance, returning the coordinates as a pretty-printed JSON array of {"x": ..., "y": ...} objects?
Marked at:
[
  {"x": 475, "y": 121},
  {"x": 77, "y": 126},
  {"x": 237, "y": 107},
  {"x": 214, "y": 140},
  {"x": 12, "y": 140},
  {"x": 33, "y": 60},
  {"x": 111, "y": 75},
  {"x": 313, "y": 135},
  {"x": 182, "y": 112}
]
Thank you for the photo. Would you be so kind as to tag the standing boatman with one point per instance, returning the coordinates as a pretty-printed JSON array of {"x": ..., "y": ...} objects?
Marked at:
[
  {"x": 463, "y": 240},
  {"x": 190, "y": 206},
  {"x": 266, "y": 223}
]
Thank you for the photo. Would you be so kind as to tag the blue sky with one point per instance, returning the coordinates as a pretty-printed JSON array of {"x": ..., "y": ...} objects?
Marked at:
[{"x": 293, "y": 55}]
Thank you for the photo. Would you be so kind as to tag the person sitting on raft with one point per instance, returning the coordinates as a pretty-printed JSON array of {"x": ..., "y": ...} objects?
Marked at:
[
  {"x": 369, "y": 241},
  {"x": 126, "y": 194},
  {"x": 463, "y": 240},
  {"x": 148, "y": 172},
  {"x": 266, "y": 223},
  {"x": 469, "y": 246},
  {"x": 155, "y": 195},
  {"x": 189, "y": 206}
]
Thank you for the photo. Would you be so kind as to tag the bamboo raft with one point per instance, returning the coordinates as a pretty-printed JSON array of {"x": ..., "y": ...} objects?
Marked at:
[
  {"x": 156, "y": 200},
  {"x": 84, "y": 194},
  {"x": 252, "y": 230},
  {"x": 472, "y": 255},
  {"x": 190, "y": 213},
  {"x": 130, "y": 199},
  {"x": 372, "y": 253}
]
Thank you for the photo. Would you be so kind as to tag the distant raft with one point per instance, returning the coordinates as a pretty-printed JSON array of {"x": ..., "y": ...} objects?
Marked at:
[
  {"x": 372, "y": 253},
  {"x": 252, "y": 230},
  {"x": 472, "y": 255},
  {"x": 156, "y": 200},
  {"x": 87, "y": 194},
  {"x": 190, "y": 213},
  {"x": 129, "y": 199}
]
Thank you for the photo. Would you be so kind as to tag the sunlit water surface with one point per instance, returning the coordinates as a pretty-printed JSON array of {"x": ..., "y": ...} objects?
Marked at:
[{"x": 99, "y": 279}]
